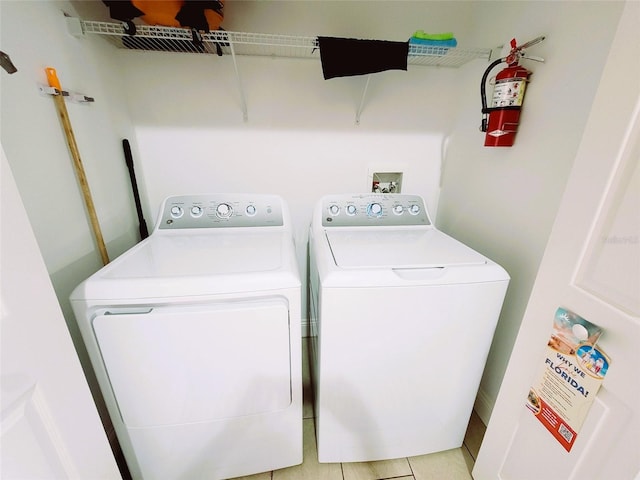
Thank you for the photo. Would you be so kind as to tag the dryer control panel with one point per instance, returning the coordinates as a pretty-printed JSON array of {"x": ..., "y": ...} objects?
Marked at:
[
  {"x": 221, "y": 211},
  {"x": 373, "y": 209}
]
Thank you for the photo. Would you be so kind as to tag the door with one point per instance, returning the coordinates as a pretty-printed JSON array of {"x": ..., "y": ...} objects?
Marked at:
[
  {"x": 50, "y": 425},
  {"x": 591, "y": 267},
  {"x": 208, "y": 362}
]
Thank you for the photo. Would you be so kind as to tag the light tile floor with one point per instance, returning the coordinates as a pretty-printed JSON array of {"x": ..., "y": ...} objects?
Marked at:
[{"x": 453, "y": 464}]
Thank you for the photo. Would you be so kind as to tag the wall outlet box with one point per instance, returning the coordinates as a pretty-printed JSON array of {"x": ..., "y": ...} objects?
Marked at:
[{"x": 386, "y": 182}]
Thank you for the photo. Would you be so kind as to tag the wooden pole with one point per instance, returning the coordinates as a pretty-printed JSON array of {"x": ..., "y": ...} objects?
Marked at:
[{"x": 77, "y": 162}]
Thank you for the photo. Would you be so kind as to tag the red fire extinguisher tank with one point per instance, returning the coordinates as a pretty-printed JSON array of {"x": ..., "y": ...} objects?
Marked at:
[{"x": 508, "y": 96}]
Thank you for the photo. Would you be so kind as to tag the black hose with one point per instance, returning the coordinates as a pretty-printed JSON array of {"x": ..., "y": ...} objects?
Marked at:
[{"x": 483, "y": 93}]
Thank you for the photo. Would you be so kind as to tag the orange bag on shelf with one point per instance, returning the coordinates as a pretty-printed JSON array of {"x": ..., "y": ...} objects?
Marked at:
[{"x": 201, "y": 15}]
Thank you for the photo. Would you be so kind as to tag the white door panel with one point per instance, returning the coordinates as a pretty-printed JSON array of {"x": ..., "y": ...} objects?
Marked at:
[
  {"x": 205, "y": 363},
  {"x": 529, "y": 455},
  {"x": 50, "y": 426},
  {"x": 31, "y": 445},
  {"x": 611, "y": 268}
]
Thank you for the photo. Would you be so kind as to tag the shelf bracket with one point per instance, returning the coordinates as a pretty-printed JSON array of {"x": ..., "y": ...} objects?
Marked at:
[
  {"x": 364, "y": 94},
  {"x": 243, "y": 101},
  {"x": 71, "y": 96}
]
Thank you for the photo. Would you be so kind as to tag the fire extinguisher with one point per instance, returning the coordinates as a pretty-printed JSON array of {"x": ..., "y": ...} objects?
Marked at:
[{"x": 500, "y": 121}]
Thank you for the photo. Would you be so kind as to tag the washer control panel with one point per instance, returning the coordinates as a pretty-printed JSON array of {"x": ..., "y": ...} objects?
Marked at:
[
  {"x": 221, "y": 211},
  {"x": 373, "y": 209}
]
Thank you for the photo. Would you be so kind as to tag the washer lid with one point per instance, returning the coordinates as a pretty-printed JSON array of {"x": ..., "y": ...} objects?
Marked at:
[
  {"x": 394, "y": 248},
  {"x": 200, "y": 254}
]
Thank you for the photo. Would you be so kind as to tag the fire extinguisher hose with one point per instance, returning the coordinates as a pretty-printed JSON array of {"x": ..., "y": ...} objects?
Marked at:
[{"x": 483, "y": 93}]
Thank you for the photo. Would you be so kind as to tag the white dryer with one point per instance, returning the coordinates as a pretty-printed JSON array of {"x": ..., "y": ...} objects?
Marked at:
[
  {"x": 194, "y": 336},
  {"x": 402, "y": 318}
]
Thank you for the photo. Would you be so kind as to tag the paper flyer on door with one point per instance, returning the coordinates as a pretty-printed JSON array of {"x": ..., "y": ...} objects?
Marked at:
[{"x": 570, "y": 375}]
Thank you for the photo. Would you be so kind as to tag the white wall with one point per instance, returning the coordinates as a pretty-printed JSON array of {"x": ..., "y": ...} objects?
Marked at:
[
  {"x": 502, "y": 201},
  {"x": 300, "y": 140}
]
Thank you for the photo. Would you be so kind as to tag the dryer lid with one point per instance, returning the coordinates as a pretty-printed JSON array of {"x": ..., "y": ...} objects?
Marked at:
[
  {"x": 392, "y": 248},
  {"x": 188, "y": 255}
]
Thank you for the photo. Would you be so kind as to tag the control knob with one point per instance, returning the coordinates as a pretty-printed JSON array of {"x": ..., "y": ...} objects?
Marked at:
[
  {"x": 374, "y": 210},
  {"x": 351, "y": 210},
  {"x": 334, "y": 209},
  {"x": 176, "y": 211},
  {"x": 414, "y": 209},
  {"x": 224, "y": 210},
  {"x": 196, "y": 211}
]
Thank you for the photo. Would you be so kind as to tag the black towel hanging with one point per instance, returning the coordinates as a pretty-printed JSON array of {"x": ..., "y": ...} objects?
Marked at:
[{"x": 344, "y": 57}]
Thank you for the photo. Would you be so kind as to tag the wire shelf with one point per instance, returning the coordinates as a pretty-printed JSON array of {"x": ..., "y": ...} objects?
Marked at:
[
  {"x": 221, "y": 42},
  {"x": 171, "y": 39}
]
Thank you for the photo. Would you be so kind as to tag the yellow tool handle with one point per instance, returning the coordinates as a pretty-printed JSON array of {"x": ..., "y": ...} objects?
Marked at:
[{"x": 52, "y": 78}]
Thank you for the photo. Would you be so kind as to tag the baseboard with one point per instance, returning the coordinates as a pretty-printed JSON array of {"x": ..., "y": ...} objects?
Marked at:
[{"x": 484, "y": 406}]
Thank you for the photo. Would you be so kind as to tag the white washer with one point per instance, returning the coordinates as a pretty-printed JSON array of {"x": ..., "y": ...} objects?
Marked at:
[
  {"x": 195, "y": 338},
  {"x": 402, "y": 318}
]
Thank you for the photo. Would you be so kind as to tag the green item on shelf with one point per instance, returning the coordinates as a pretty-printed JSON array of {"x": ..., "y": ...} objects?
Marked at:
[{"x": 422, "y": 35}]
